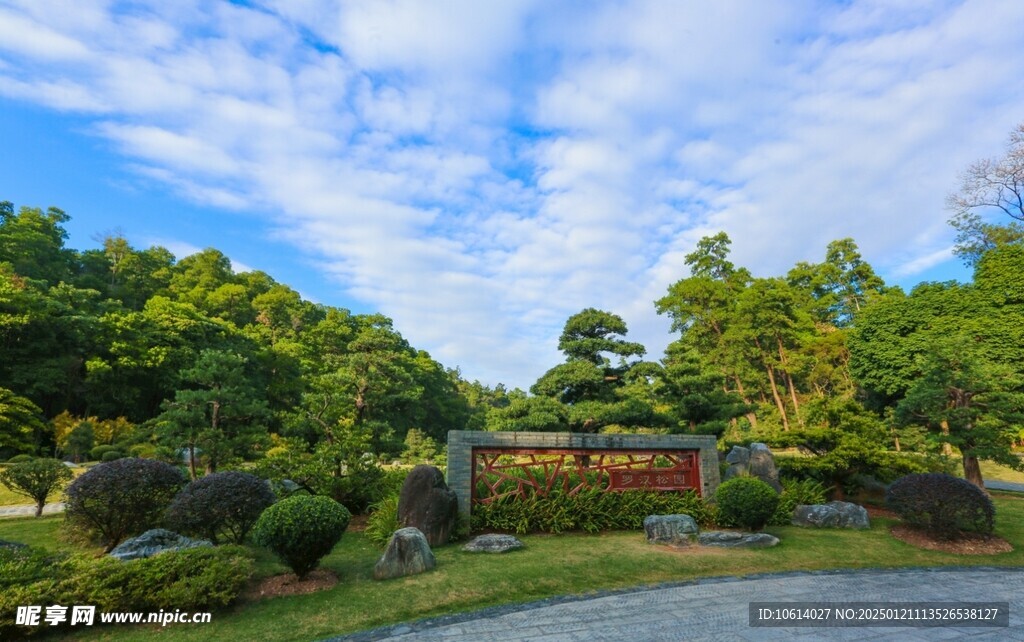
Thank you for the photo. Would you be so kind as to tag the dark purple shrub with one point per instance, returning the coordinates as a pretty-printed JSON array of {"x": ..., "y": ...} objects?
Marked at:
[
  {"x": 943, "y": 505},
  {"x": 220, "y": 505},
  {"x": 121, "y": 498}
]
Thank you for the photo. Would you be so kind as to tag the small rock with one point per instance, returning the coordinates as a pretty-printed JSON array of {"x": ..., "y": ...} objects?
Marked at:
[
  {"x": 492, "y": 544},
  {"x": 831, "y": 515},
  {"x": 426, "y": 503},
  {"x": 407, "y": 554},
  {"x": 152, "y": 542},
  {"x": 675, "y": 530},
  {"x": 733, "y": 539}
]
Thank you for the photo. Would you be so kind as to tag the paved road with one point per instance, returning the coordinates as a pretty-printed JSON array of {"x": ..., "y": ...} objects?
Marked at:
[
  {"x": 29, "y": 510},
  {"x": 717, "y": 609}
]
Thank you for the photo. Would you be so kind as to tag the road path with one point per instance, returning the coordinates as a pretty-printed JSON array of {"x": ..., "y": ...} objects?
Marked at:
[{"x": 717, "y": 609}]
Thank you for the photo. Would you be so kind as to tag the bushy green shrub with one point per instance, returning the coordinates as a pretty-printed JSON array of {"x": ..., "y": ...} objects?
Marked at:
[
  {"x": 121, "y": 498},
  {"x": 591, "y": 510},
  {"x": 96, "y": 454},
  {"x": 220, "y": 505},
  {"x": 196, "y": 579},
  {"x": 746, "y": 502},
  {"x": 36, "y": 479},
  {"x": 383, "y": 521},
  {"x": 301, "y": 530},
  {"x": 944, "y": 506},
  {"x": 794, "y": 493},
  {"x": 20, "y": 459},
  {"x": 112, "y": 455}
]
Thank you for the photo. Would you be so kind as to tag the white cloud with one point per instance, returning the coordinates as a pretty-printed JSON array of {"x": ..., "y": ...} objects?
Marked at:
[{"x": 480, "y": 171}]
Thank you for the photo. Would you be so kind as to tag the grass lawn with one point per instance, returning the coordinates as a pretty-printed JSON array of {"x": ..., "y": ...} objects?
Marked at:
[{"x": 549, "y": 565}]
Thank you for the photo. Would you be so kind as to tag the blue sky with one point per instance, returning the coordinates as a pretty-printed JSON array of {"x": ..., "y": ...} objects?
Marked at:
[{"x": 479, "y": 171}]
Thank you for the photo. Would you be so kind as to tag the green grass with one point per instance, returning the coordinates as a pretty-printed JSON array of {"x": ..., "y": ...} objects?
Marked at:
[{"x": 549, "y": 565}]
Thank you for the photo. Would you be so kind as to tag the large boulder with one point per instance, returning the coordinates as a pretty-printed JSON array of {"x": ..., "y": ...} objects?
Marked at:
[
  {"x": 738, "y": 460},
  {"x": 762, "y": 466},
  {"x": 154, "y": 541},
  {"x": 426, "y": 503},
  {"x": 492, "y": 544},
  {"x": 407, "y": 554},
  {"x": 831, "y": 515},
  {"x": 675, "y": 530},
  {"x": 732, "y": 539}
]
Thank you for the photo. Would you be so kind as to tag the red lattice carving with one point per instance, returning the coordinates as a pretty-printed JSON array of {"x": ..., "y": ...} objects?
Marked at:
[{"x": 503, "y": 472}]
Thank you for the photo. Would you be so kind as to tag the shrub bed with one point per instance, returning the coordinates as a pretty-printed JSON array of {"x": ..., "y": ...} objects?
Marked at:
[
  {"x": 198, "y": 579},
  {"x": 746, "y": 502}
]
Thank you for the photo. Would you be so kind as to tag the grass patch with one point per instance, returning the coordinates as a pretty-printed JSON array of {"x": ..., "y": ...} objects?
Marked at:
[{"x": 549, "y": 565}]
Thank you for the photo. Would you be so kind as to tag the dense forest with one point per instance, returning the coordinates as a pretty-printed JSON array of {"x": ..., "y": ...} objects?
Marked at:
[{"x": 131, "y": 350}]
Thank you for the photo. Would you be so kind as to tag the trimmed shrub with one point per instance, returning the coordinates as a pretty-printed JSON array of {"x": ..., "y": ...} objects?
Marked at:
[
  {"x": 794, "y": 493},
  {"x": 112, "y": 455},
  {"x": 220, "y": 505},
  {"x": 36, "y": 479},
  {"x": 383, "y": 521},
  {"x": 591, "y": 510},
  {"x": 746, "y": 502},
  {"x": 301, "y": 530},
  {"x": 20, "y": 459},
  {"x": 944, "y": 506},
  {"x": 118, "y": 499},
  {"x": 197, "y": 579},
  {"x": 96, "y": 454}
]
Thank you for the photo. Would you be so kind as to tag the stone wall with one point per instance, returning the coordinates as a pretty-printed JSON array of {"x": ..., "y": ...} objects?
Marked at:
[{"x": 462, "y": 442}]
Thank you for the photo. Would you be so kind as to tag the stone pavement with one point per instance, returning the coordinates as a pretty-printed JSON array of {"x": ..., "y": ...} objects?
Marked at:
[
  {"x": 717, "y": 609},
  {"x": 23, "y": 510}
]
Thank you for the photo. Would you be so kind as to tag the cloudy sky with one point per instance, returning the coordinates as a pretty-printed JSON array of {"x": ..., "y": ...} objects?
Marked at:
[{"x": 479, "y": 171}]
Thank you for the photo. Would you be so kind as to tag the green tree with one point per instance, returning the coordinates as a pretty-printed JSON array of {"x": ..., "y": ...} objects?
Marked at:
[
  {"x": 222, "y": 415},
  {"x": 36, "y": 479},
  {"x": 33, "y": 243},
  {"x": 20, "y": 423}
]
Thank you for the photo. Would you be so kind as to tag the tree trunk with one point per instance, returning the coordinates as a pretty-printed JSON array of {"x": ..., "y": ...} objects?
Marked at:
[
  {"x": 751, "y": 417},
  {"x": 39, "y": 507},
  {"x": 778, "y": 400},
  {"x": 792, "y": 395},
  {"x": 192, "y": 461},
  {"x": 947, "y": 450},
  {"x": 972, "y": 471}
]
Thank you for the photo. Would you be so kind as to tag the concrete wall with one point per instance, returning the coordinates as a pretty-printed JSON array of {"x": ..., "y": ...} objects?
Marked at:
[{"x": 462, "y": 442}]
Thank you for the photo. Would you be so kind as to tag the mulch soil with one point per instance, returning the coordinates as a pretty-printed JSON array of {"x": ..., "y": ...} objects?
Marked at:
[{"x": 966, "y": 545}]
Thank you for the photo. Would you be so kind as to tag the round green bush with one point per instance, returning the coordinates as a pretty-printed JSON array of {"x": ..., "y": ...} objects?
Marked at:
[
  {"x": 746, "y": 502},
  {"x": 943, "y": 505},
  {"x": 112, "y": 455},
  {"x": 20, "y": 459},
  {"x": 96, "y": 454},
  {"x": 220, "y": 505},
  {"x": 301, "y": 530}
]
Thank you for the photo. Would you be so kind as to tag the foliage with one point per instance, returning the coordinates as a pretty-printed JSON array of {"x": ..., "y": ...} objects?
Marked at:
[
  {"x": 302, "y": 529},
  {"x": 591, "y": 510},
  {"x": 944, "y": 506},
  {"x": 19, "y": 423},
  {"x": 383, "y": 521},
  {"x": 36, "y": 479},
  {"x": 746, "y": 502},
  {"x": 220, "y": 506},
  {"x": 196, "y": 579},
  {"x": 118, "y": 499},
  {"x": 796, "y": 493},
  {"x": 419, "y": 447}
]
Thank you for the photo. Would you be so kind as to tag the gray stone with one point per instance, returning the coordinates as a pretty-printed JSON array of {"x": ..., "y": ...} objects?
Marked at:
[
  {"x": 831, "y": 515},
  {"x": 738, "y": 455},
  {"x": 154, "y": 541},
  {"x": 5, "y": 544},
  {"x": 675, "y": 530},
  {"x": 492, "y": 544},
  {"x": 762, "y": 466},
  {"x": 407, "y": 554},
  {"x": 426, "y": 503},
  {"x": 732, "y": 539}
]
